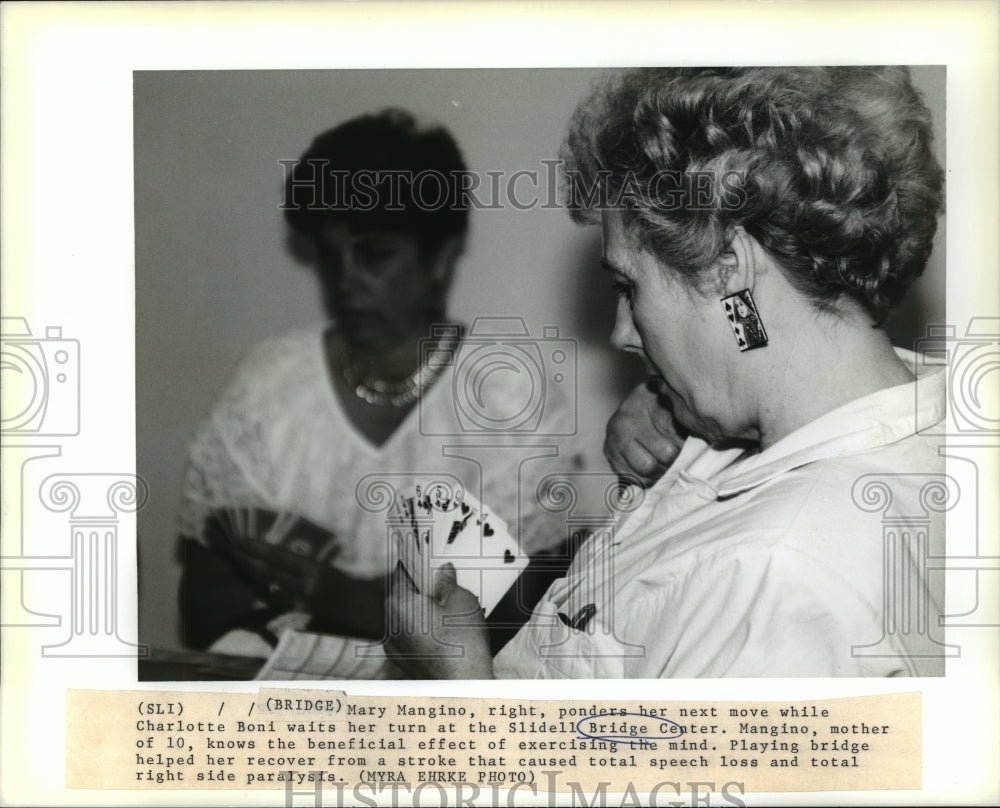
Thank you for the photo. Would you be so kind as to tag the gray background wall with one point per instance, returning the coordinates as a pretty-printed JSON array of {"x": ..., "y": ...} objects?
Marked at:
[{"x": 213, "y": 275}]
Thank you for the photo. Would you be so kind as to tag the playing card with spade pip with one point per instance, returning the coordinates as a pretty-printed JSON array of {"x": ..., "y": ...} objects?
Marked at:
[
  {"x": 434, "y": 523},
  {"x": 744, "y": 320}
]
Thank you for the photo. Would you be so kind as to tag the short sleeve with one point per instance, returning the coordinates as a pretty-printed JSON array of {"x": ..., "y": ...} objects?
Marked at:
[
  {"x": 226, "y": 464},
  {"x": 213, "y": 479}
]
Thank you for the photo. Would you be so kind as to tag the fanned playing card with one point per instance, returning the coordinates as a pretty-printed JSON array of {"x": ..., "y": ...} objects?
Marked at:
[
  {"x": 227, "y": 529},
  {"x": 434, "y": 524}
]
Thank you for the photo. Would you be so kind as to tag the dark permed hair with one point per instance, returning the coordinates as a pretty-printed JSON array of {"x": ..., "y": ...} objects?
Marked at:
[
  {"x": 364, "y": 153},
  {"x": 830, "y": 169}
]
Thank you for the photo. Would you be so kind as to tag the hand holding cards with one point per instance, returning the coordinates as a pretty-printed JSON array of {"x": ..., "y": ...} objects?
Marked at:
[
  {"x": 283, "y": 555},
  {"x": 231, "y": 528},
  {"x": 436, "y": 522}
]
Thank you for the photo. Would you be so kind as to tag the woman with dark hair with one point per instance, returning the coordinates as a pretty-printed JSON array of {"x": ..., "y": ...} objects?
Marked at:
[
  {"x": 785, "y": 210},
  {"x": 274, "y": 538}
]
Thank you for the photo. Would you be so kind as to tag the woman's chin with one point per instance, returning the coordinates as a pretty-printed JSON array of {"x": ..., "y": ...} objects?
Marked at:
[
  {"x": 691, "y": 424},
  {"x": 365, "y": 338}
]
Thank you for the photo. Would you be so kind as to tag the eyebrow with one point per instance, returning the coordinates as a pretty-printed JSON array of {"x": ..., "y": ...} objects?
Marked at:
[{"x": 609, "y": 267}]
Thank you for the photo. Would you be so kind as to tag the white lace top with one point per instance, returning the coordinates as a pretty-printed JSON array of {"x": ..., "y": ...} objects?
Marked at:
[{"x": 278, "y": 439}]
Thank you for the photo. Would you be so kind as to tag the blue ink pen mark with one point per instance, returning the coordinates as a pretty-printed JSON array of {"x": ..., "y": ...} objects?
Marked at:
[{"x": 626, "y": 727}]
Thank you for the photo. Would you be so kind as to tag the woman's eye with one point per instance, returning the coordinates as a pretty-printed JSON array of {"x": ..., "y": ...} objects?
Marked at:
[{"x": 624, "y": 290}]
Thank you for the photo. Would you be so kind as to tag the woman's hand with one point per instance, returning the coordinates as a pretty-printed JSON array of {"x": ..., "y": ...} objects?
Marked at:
[
  {"x": 338, "y": 603},
  {"x": 641, "y": 440},
  {"x": 442, "y": 636}
]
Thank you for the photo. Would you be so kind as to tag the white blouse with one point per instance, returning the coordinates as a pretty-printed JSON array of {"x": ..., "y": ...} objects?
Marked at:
[
  {"x": 278, "y": 439},
  {"x": 806, "y": 559}
]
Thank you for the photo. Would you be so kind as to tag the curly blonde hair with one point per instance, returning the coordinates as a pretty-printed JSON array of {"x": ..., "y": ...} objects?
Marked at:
[{"x": 830, "y": 169}]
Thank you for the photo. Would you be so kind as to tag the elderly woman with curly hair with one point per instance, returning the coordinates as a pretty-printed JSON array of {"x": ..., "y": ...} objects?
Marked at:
[{"x": 808, "y": 199}]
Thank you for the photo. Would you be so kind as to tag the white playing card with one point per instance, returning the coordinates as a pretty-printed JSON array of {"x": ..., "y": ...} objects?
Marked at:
[
  {"x": 488, "y": 555},
  {"x": 451, "y": 526},
  {"x": 411, "y": 526}
]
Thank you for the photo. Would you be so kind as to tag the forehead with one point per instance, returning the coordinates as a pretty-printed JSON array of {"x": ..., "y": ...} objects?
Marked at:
[
  {"x": 619, "y": 246},
  {"x": 342, "y": 231},
  {"x": 623, "y": 253}
]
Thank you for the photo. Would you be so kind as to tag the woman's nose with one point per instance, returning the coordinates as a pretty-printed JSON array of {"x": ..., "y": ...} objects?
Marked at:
[
  {"x": 623, "y": 335},
  {"x": 351, "y": 276}
]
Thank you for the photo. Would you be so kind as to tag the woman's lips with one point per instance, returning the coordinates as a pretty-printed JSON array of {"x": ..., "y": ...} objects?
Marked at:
[{"x": 657, "y": 382}]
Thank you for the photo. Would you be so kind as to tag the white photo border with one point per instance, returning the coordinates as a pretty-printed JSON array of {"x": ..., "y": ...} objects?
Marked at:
[{"x": 68, "y": 256}]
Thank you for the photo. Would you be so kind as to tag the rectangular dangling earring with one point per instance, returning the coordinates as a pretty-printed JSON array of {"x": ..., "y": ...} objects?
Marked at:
[{"x": 744, "y": 320}]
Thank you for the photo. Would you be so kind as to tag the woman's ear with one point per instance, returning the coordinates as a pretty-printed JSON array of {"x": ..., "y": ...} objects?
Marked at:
[{"x": 739, "y": 265}]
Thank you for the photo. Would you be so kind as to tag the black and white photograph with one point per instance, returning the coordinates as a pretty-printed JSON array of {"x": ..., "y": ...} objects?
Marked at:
[
  {"x": 452, "y": 403},
  {"x": 354, "y": 286}
]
